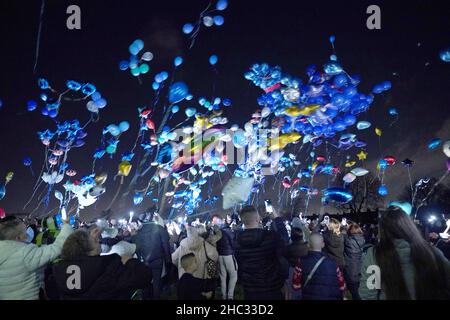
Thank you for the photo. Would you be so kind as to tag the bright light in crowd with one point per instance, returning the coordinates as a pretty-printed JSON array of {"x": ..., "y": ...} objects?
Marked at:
[
  {"x": 432, "y": 219},
  {"x": 131, "y": 216}
]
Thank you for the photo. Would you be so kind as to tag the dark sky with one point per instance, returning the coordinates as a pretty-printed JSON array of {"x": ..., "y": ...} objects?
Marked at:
[{"x": 292, "y": 34}]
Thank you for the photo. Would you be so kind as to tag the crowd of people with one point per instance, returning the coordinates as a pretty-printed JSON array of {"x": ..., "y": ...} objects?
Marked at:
[{"x": 237, "y": 256}]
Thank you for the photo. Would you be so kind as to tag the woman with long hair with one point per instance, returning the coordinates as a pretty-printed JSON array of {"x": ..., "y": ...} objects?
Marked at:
[
  {"x": 353, "y": 249},
  {"x": 409, "y": 267},
  {"x": 334, "y": 242}
]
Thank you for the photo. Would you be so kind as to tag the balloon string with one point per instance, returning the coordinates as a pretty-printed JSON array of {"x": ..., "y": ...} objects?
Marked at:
[
  {"x": 38, "y": 41},
  {"x": 410, "y": 184}
]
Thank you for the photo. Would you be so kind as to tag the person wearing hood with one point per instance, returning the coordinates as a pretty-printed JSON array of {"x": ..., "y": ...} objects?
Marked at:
[
  {"x": 403, "y": 265},
  {"x": 258, "y": 253},
  {"x": 353, "y": 249},
  {"x": 22, "y": 264},
  {"x": 203, "y": 245},
  {"x": 153, "y": 247},
  {"x": 84, "y": 274}
]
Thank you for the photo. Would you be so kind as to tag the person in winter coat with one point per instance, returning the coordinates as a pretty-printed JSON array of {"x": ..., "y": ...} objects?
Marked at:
[
  {"x": 298, "y": 248},
  {"x": 334, "y": 243},
  {"x": 353, "y": 249},
  {"x": 203, "y": 246},
  {"x": 258, "y": 253},
  {"x": 317, "y": 275},
  {"x": 83, "y": 274},
  {"x": 153, "y": 247},
  {"x": 22, "y": 264},
  {"x": 407, "y": 266},
  {"x": 227, "y": 262}
]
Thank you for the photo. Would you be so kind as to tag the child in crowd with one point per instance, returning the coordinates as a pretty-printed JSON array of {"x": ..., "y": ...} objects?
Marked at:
[{"x": 189, "y": 287}]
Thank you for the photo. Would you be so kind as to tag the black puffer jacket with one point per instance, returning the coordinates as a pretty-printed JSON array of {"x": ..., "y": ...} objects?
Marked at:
[
  {"x": 334, "y": 247},
  {"x": 225, "y": 244},
  {"x": 152, "y": 245},
  {"x": 353, "y": 257},
  {"x": 100, "y": 278},
  {"x": 295, "y": 250},
  {"x": 257, "y": 252}
]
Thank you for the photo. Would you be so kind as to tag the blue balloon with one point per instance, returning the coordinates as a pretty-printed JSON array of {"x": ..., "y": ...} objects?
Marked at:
[
  {"x": 187, "y": 28},
  {"x": 445, "y": 55},
  {"x": 338, "y": 195},
  {"x": 27, "y": 162},
  {"x": 31, "y": 105},
  {"x": 44, "y": 111},
  {"x": 73, "y": 85},
  {"x": 114, "y": 130},
  {"x": 383, "y": 164},
  {"x": 178, "y": 92},
  {"x": 43, "y": 84},
  {"x": 226, "y": 102},
  {"x": 101, "y": 103},
  {"x": 133, "y": 49},
  {"x": 221, "y": 5},
  {"x": 43, "y": 97},
  {"x": 332, "y": 38},
  {"x": 213, "y": 60},
  {"x": 139, "y": 44},
  {"x": 175, "y": 109},
  {"x": 138, "y": 198},
  {"x": 434, "y": 144},
  {"x": 123, "y": 65},
  {"x": 218, "y": 20},
  {"x": 88, "y": 89},
  {"x": 155, "y": 86},
  {"x": 2, "y": 192},
  {"x": 190, "y": 112},
  {"x": 383, "y": 191},
  {"x": 124, "y": 126},
  {"x": 178, "y": 61},
  {"x": 340, "y": 80},
  {"x": 349, "y": 120},
  {"x": 96, "y": 96},
  {"x": 393, "y": 112}
]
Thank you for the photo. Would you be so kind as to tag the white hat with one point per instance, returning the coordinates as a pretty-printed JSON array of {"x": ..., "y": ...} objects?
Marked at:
[{"x": 122, "y": 248}]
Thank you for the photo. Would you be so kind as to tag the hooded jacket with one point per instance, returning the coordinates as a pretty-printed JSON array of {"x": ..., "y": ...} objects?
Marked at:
[
  {"x": 100, "y": 278},
  {"x": 404, "y": 252},
  {"x": 257, "y": 252},
  {"x": 353, "y": 249},
  {"x": 334, "y": 247},
  {"x": 22, "y": 266},
  {"x": 195, "y": 244}
]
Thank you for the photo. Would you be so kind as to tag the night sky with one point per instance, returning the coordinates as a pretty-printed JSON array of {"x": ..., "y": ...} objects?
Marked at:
[{"x": 292, "y": 34}]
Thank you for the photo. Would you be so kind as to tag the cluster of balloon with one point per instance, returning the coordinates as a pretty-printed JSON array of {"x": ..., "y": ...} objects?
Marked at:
[
  {"x": 87, "y": 190},
  {"x": 27, "y": 162},
  {"x": 326, "y": 104},
  {"x": 52, "y": 99},
  {"x": 110, "y": 139},
  {"x": 137, "y": 65},
  {"x": 208, "y": 18},
  {"x": 8, "y": 178},
  {"x": 383, "y": 164},
  {"x": 445, "y": 55}
]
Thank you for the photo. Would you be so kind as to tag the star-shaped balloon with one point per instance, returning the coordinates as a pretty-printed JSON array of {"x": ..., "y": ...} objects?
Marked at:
[
  {"x": 407, "y": 163},
  {"x": 362, "y": 155}
]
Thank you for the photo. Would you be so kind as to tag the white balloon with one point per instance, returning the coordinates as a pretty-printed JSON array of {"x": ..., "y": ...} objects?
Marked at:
[
  {"x": 359, "y": 172},
  {"x": 265, "y": 112},
  {"x": 148, "y": 56},
  {"x": 237, "y": 190},
  {"x": 446, "y": 148}
]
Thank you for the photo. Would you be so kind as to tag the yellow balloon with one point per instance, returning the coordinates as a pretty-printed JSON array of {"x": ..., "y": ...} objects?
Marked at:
[
  {"x": 296, "y": 111},
  {"x": 9, "y": 176},
  {"x": 378, "y": 132},
  {"x": 350, "y": 164},
  {"x": 284, "y": 140},
  {"x": 124, "y": 168},
  {"x": 101, "y": 178},
  {"x": 200, "y": 122},
  {"x": 314, "y": 166}
]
